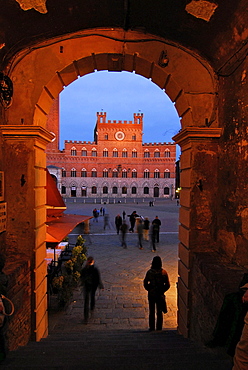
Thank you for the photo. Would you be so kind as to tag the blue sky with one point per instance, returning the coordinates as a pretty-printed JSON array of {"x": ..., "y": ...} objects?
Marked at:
[{"x": 120, "y": 95}]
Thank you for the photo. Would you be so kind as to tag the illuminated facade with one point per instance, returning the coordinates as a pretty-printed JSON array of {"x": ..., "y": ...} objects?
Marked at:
[{"x": 116, "y": 163}]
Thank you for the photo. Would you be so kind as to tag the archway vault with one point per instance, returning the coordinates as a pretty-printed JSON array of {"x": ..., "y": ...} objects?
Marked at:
[
  {"x": 44, "y": 70},
  {"x": 41, "y": 72}
]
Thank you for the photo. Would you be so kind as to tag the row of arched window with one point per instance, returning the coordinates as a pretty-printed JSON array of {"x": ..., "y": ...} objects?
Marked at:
[
  {"x": 116, "y": 173},
  {"x": 124, "y": 153},
  {"x": 107, "y": 190}
]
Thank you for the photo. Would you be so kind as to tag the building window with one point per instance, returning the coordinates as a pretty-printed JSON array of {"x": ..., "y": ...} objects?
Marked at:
[
  {"x": 124, "y": 153},
  {"x": 124, "y": 190},
  {"x": 166, "y": 191},
  {"x": 134, "y": 190},
  {"x": 73, "y": 173},
  {"x": 94, "y": 153},
  {"x": 105, "y": 190},
  {"x": 93, "y": 190},
  {"x": 134, "y": 137},
  {"x": 146, "y": 174},
  {"x": 115, "y": 173},
  {"x": 93, "y": 173},
  {"x": 134, "y": 153},
  {"x": 124, "y": 174},
  {"x": 167, "y": 174},
  {"x": 114, "y": 189},
  {"x": 156, "y": 174},
  {"x": 105, "y": 173},
  {"x": 146, "y": 154},
  {"x": 73, "y": 152},
  {"x": 167, "y": 153},
  {"x": 146, "y": 190},
  {"x": 63, "y": 172},
  {"x": 105, "y": 153},
  {"x": 134, "y": 174},
  {"x": 83, "y": 173},
  {"x": 63, "y": 189},
  {"x": 156, "y": 154},
  {"x": 84, "y": 153},
  {"x": 115, "y": 153},
  {"x": 106, "y": 137}
]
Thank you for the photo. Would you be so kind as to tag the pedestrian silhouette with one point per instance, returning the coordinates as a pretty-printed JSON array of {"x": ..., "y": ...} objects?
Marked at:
[{"x": 91, "y": 280}]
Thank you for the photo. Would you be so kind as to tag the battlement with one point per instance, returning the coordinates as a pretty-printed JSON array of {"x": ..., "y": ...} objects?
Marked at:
[
  {"x": 79, "y": 142},
  {"x": 137, "y": 119},
  {"x": 156, "y": 144}
]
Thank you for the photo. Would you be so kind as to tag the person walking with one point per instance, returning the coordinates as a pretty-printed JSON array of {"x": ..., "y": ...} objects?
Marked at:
[
  {"x": 140, "y": 233},
  {"x": 90, "y": 280},
  {"x": 156, "y": 282},
  {"x": 154, "y": 231},
  {"x": 156, "y": 223},
  {"x": 132, "y": 219},
  {"x": 146, "y": 228},
  {"x": 106, "y": 221},
  {"x": 123, "y": 230},
  {"x": 118, "y": 223}
]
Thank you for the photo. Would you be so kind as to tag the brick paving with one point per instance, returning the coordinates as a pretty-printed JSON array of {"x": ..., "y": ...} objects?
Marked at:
[{"x": 123, "y": 302}]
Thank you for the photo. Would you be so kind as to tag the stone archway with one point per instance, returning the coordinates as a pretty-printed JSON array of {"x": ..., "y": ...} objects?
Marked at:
[{"x": 39, "y": 74}]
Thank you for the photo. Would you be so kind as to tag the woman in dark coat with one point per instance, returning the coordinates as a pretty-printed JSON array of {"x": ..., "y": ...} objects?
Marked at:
[{"x": 156, "y": 282}]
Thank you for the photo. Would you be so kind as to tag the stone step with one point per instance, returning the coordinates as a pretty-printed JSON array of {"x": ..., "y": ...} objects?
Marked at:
[{"x": 120, "y": 349}]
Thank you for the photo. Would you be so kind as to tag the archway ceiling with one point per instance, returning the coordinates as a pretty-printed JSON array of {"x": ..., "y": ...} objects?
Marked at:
[{"x": 198, "y": 24}]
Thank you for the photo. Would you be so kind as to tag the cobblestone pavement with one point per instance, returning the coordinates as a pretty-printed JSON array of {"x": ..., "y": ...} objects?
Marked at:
[{"x": 123, "y": 303}]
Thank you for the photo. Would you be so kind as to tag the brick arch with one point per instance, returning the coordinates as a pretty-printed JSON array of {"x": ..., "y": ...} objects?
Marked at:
[{"x": 41, "y": 73}]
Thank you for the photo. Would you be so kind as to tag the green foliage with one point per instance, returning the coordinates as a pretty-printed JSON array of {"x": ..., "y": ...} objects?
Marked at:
[{"x": 65, "y": 283}]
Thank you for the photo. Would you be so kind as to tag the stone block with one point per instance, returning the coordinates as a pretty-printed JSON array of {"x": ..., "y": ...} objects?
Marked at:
[
  {"x": 184, "y": 235},
  {"x": 184, "y": 255},
  {"x": 183, "y": 272}
]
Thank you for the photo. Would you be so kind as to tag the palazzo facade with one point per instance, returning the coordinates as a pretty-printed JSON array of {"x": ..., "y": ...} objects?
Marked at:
[{"x": 117, "y": 164}]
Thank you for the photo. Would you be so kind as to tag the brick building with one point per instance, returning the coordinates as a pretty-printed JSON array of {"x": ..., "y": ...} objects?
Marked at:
[{"x": 116, "y": 164}]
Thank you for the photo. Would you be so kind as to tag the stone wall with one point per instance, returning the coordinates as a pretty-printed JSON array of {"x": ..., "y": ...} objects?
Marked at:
[
  {"x": 18, "y": 330},
  {"x": 212, "y": 278}
]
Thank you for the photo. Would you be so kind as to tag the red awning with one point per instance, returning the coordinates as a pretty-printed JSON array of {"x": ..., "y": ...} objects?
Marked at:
[{"x": 59, "y": 227}]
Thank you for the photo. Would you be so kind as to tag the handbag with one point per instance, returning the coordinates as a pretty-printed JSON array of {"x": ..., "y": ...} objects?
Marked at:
[
  {"x": 3, "y": 312},
  {"x": 162, "y": 304}
]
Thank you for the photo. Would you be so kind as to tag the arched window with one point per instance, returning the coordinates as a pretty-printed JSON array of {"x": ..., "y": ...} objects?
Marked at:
[
  {"x": 146, "y": 174},
  {"x": 146, "y": 190},
  {"x": 93, "y": 172},
  {"x": 134, "y": 153},
  {"x": 146, "y": 154},
  {"x": 156, "y": 153},
  {"x": 94, "y": 152},
  {"x": 134, "y": 174},
  {"x": 63, "y": 172},
  {"x": 83, "y": 172},
  {"x": 105, "y": 152},
  {"x": 115, "y": 153},
  {"x": 115, "y": 173},
  {"x": 114, "y": 190},
  {"x": 134, "y": 190},
  {"x": 105, "y": 190},
  {"x": 63, "y": 189},
  {"x": 73, "y": 151},
  {"x": 167, "y": 153},
  {"x": 134, "y": 137},
  {"x": 84, "y": 152},
  {"x": 73, "y": 172},
  {"x": 166, "y": 190},
  {"x": 94, "y": 190},
  {"x": 124, "y": 190},
  {"x": 124, "y": 174},
  {"x": 105, "y": 172},
  {"x": 106, "y": 137},
  {"x": 124, "y": 153},
  {"x": 156, "y": 174},
  {"x": 166, "y": 174}
]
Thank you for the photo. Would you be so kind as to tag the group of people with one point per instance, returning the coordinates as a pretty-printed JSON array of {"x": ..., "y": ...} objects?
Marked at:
[
  {"x": 156, "y": 282},
  {"x": 98, "y": 212},
  {"x": 143, "y": 228}
]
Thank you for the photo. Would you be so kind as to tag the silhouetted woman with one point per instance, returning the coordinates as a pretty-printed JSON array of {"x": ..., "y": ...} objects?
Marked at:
[{"x": 156, "y": 282}]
